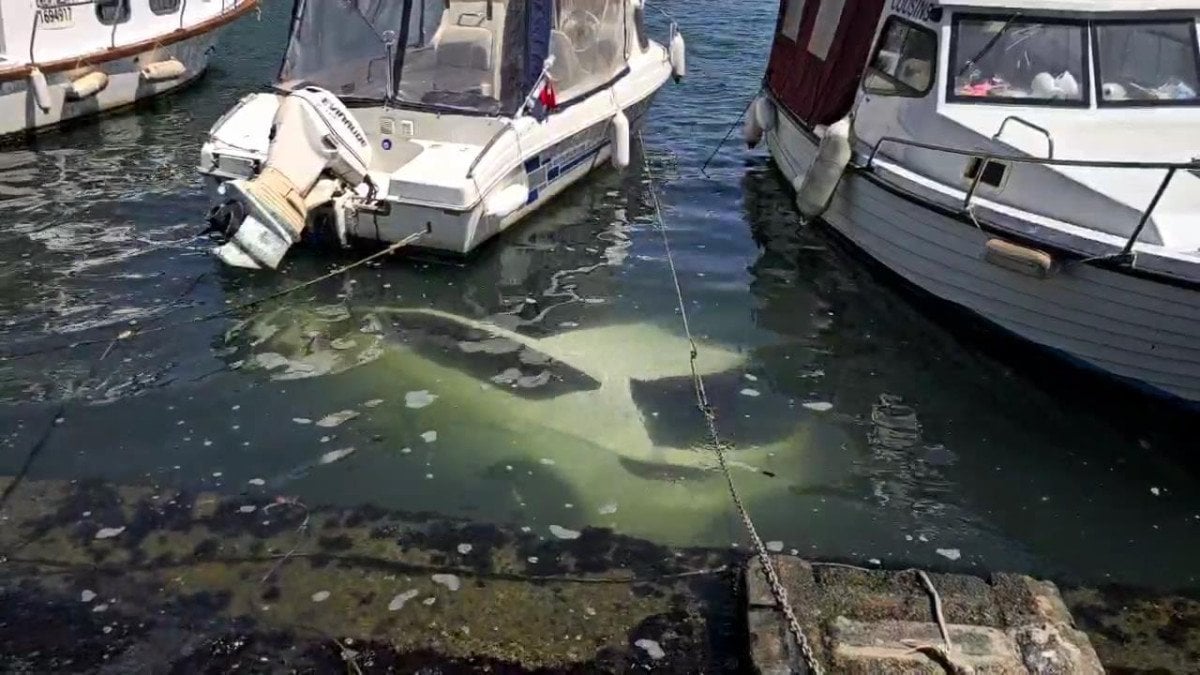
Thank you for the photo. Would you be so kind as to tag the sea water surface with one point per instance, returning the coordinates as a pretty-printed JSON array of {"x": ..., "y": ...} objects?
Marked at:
[{"x": 862, "y": 429}]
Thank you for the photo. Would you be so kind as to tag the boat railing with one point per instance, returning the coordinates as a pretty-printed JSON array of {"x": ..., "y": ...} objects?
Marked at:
[
  {"x": 1031, "y": 125},
  {"x": 984, "y": 157}
]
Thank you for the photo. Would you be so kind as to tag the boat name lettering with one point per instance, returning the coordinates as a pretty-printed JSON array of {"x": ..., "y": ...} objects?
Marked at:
[
  {"x": 337, "y": 111},
  {"x": 915, "y": 9}
]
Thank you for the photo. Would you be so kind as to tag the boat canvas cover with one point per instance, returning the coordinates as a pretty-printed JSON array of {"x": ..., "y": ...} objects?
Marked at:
[
  {"x": 819, "y": 55},
  {"x": 480, "y": 56}
]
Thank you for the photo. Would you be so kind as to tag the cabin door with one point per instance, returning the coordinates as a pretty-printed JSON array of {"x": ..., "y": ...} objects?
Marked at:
[{"x": 819, "y": 54}]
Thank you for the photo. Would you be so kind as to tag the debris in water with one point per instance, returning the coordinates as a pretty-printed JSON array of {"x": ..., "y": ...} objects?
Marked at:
[
  {"x": 875, "y": 561},
  {"x": 448, "y": 580},
  {"x": 257, "y": 481},
  {"x": 608, "y": 509},
  {"x": 1155, "y": 491},
  {"x": 109, "y": 532},
  {"x": 301, "y": 420},
  {"x": 428, "y": 476},
  {"x": 249, "y": 508},
  {"x": 533, "y": 559},
  {"x": 749, "y": 392},
  {"x": 103, "y": 607},
  {"x": 429, "y": 436},
  {"x": 652, "y": 648},
  {"x": 405, "y": 451},
  {"x": 949, "y": 553},
  {"x": 373, "y": 403},
  {"x": 217, "y": 474},
  {"x": 419, "y": 399},
  {"x": 402, "y": 599},
  {"x": 547, "y": 462},
  {"x": 428, "y": 602},
  {"x": 336, "y": 419},
  {"x": 563, "y": 533},
  {"x": 465, "y": 548},
  {"x": 334, "y": 455},
  {"x": 87, "y": 595},
  {"x": 775, "y": 546},
  {"x": 819, "y": 406},
  {"x": 750, "y": 377},
  {"x": 320, "y": 596}
]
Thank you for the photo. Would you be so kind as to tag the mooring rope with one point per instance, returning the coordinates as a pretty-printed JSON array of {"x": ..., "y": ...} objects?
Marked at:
[{"x": 718, "y": 446}]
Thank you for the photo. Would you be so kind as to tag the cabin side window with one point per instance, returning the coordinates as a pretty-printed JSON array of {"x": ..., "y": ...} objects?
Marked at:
[
  {"x": 792, "y": 15},
  {"x": 1018, "y": 61},
  {"x": 164, "y": 7},
  {"x": 112, "y": 12},
  {"x": 1147, "y": 63},
  {"x": 904, "y": 60}
]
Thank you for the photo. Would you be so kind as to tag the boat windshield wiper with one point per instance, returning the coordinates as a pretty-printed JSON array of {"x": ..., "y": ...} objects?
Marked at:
[{"x": 970, "y": 63}]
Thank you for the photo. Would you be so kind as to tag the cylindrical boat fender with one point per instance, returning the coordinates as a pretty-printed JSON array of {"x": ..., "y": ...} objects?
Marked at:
[
  {"x": 814, "y": 191},
  {"x": 506, "y": 202},
  {"x": 765, "y": 113},
  {"x": 620, "y": 140},
  {"x": 752, "y": 131},
  {"x": 86, "y": 86},
  {"x": 161, "y": 71},
  {"x": 40, "y": 88},
  {"x": 678, "y": 52}
]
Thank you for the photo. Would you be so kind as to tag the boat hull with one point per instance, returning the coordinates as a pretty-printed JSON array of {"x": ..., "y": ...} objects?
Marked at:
[
  {"x": 1139, "y": 330},
  {"x": 20, "y": 112}
]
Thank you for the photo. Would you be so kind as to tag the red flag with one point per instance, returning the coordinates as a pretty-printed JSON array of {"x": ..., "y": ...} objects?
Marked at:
[{"x": 547, "y": 97}]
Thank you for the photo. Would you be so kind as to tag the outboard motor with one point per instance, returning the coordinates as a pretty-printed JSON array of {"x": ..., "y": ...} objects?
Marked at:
[{"x": 318, "y": 151}]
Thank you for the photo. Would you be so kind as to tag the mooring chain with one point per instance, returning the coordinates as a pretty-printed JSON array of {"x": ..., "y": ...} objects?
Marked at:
[{"x": 710, "y": 417}]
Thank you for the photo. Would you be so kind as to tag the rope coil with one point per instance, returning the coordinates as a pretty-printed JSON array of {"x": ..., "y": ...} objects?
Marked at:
[{"x": 718, "y": 447}]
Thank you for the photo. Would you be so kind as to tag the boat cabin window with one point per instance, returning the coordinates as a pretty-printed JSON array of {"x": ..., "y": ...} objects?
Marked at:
[
  {"x": 995, "y": 59},
  {"x": 112, "y": 12},
  {"x": 904, "y": 60},
  {"x": 588, "y": 45},
  {"x": 164, "y": 7},
  {"x": 791, "y": 19},
  {"x": 1146, "y": 63}
]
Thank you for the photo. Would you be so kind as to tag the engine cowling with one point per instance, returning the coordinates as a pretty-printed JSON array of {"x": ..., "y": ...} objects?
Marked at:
[{"x": 318, "y": 150}]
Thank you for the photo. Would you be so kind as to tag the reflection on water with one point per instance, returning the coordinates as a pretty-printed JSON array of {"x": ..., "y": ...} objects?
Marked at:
[{"x": 544, "y": 383}]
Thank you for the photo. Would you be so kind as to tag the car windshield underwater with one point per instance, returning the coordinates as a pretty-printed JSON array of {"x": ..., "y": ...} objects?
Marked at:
[{"x": 470, "y": 56}]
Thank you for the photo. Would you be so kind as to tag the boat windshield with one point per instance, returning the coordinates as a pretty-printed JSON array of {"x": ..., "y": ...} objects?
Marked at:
[
  {"x": 1018, "y": 60},
  {"x": 1147, "y": 63},
  {"x": 453, "y": 55}
]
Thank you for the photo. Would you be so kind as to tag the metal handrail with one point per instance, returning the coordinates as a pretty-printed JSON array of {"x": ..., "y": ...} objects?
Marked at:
[
  {"x": 1031, "y": 125},
  {"x": 984, "y": 157}
]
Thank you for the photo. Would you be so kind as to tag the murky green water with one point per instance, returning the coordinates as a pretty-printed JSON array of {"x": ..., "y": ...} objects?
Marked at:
[{"x": 543, "y": 383}]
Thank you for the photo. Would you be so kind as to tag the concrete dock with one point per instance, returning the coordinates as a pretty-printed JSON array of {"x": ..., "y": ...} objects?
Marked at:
[{"x": 873, "y": 621}]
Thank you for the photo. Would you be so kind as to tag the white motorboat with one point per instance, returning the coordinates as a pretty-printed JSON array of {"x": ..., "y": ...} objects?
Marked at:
[
  {"x": 62, "y": 59},
  {"x": 433, "y": 122},
  {"x": 1030, "y": 161}
]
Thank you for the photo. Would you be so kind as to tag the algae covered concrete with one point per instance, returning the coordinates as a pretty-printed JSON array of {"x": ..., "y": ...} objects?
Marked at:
[
  {"x": 96, "y": 577},
  {"x": 138, "y": 579}
]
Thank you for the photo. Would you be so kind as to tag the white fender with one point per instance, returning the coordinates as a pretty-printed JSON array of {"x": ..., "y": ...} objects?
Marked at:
[
  {"x": 678, "y": 51},
  {"x": 160, "y": 71},
  {"x": 765, "y": 113},
  {"x": 752, "y": 131},
  {"x": 86, "y": 86},
  {"x": 815, "y": 189},
  {"x": 40, "y": 88},
  {"x": 620, "y": 140},
  {"x": 506, "y": 202}
]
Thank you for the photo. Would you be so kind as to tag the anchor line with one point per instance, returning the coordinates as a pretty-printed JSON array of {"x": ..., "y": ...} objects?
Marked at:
[{"x": 718, "y": 446}]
